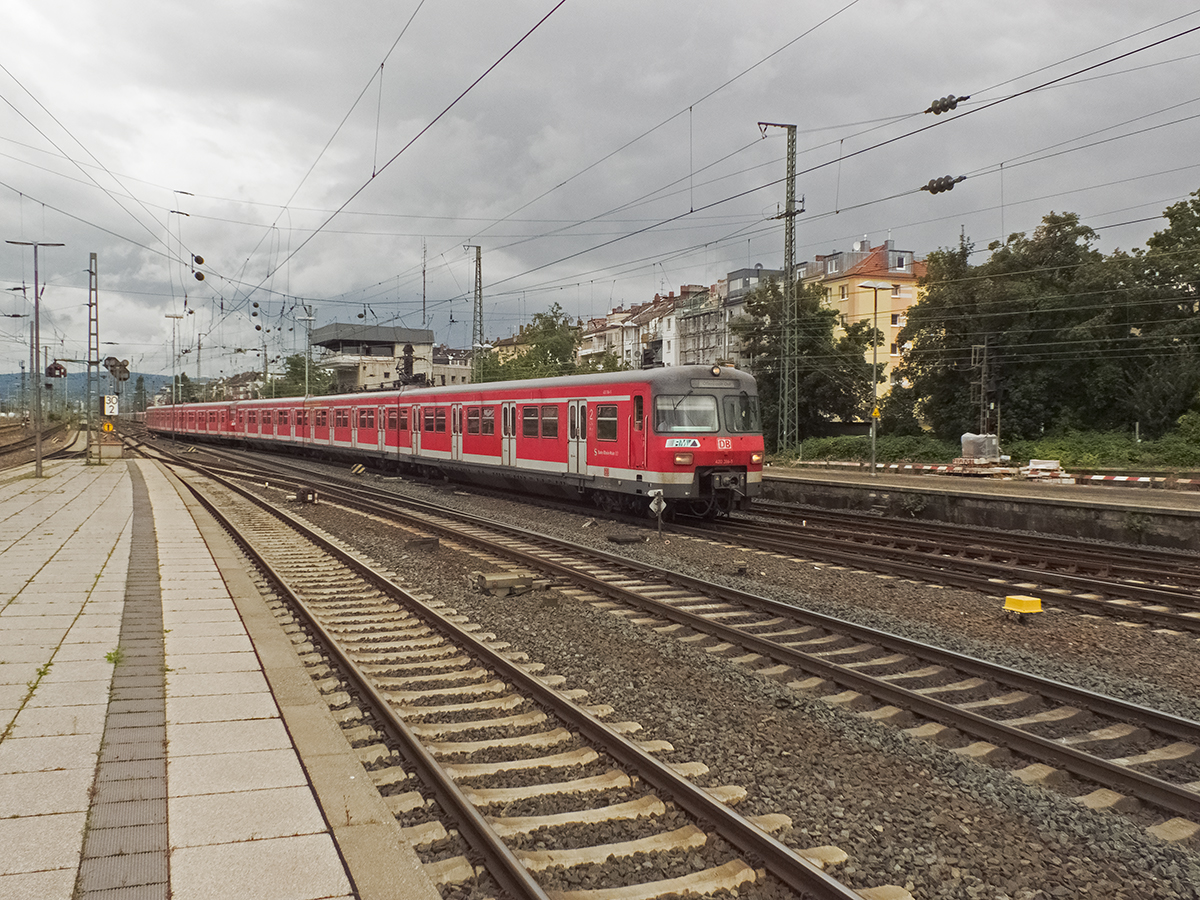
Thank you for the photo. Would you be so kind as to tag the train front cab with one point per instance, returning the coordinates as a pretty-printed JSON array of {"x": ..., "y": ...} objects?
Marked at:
[{"x": 706, "y": 444}]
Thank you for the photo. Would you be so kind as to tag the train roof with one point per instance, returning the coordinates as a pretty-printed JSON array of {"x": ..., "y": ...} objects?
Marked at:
[{"x": 668, "y": 378}]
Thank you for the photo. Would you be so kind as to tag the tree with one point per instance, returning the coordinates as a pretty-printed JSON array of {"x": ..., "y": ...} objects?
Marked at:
[
  {"x": 551, "y": 341},
  {"x": 834, "y": 375},
  {"x": 1074, "y": 339},
  {"x": 320, "y": 381}
]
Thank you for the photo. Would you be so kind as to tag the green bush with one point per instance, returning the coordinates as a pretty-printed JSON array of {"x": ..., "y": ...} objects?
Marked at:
[{"x": 1073, "y": 449}]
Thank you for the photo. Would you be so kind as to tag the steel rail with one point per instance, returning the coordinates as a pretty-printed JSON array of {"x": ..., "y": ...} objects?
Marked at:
[
  {"x": 502, "y": 864},
  {"x": 781, "y": 861},
  {"x": 920, "y": 565},
  {"x": 1161, "y": 793},
  {"x": 1104, "y": 555}
]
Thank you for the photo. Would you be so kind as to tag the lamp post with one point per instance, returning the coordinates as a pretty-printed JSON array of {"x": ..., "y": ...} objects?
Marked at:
[
  {"x": 173, "y": 376},
  {"x": 874, "y": 286},
  {"x": 37, "y": 338}
]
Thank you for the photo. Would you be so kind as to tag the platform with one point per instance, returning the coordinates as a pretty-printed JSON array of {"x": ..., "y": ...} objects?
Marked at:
[{"x": 158, "y": 735}]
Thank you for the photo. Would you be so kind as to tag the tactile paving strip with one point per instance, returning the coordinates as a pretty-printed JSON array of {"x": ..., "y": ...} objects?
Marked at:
[{"x": 125, "y": 849}]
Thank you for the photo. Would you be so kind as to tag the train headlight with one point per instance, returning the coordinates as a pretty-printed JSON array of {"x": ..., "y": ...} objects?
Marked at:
[
  {"x": 716, "y": 370},
  {"x": 755, "y": 459},
  {"x": 683, "y": 459}
]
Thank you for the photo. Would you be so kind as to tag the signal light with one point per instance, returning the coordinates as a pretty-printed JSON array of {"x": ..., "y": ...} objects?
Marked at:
[
  {"x": 945, "y": 104},
  {"x": 945, "y": 183}
]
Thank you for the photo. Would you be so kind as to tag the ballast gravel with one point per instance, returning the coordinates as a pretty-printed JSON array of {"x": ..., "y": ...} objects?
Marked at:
[{"x": 906, "y": 812}]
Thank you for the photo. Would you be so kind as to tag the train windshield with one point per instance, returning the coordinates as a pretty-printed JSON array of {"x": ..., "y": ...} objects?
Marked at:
[
  {"x": 741, "y": 414},
  {"x": 685, "y": 412}
]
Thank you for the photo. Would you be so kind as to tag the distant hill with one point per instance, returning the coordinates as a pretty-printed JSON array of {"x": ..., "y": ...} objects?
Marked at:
[{"x": 76, "y": 385}]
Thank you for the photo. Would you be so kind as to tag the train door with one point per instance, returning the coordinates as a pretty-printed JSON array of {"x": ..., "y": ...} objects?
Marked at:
[
  {"x": 508, "y": 433},
  {"x": 637, "y": 434},
  {"x": 381, "y": 429},
  {"x": 416, "y": 430},
  {"x": 456, "y": 431},
  {"x": 577, "y": 437}
]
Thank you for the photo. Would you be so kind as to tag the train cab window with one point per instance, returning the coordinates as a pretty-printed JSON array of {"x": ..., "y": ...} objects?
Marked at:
[
  {"x": 487, "y": 424},
  {"x": 639, "y": 413},
  {"x": 606, "y": 423},
  {"x": 549, "y": 421},
  {"x": 473, "y": 420},
  {"x": 741, "y": 414},
  {"x": 529, "y": 421},
  {"x": 685, "y": 412}
]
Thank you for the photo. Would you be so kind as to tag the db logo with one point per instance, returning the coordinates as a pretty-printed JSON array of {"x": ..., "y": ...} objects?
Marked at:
[{"x": 724, "y": 444}]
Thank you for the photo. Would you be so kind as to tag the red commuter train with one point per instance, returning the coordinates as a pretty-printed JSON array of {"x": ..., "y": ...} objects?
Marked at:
[{"x": 692, "y": 432}]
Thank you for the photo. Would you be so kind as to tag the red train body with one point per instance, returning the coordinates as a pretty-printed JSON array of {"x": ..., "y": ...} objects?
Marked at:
[{"x": 691, "y": 432}]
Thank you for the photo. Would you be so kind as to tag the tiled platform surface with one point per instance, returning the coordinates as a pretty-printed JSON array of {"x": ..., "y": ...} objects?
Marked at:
[{"x": 143, "y": 753}]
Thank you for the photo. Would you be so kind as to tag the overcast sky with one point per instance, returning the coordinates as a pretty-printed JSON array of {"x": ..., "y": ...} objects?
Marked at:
[{"x": 613, "y": 154}]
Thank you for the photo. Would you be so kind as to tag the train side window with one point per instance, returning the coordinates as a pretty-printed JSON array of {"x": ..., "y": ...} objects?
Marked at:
[
  {"x": 529, "y": 421},
  {"x": 322, "y": 418},
  {"x": 473, "y": 420},
  {"x": 549, "y": 421},
  {"x": 393, "y": 418},
  {"x": 404, "y": 420},
  {"x": 440, "y": 420},
  {"x": 488, "y": 424},
  {"x": 504, "y": 429},
  {"x": 638, "y": 413},
  {"x": 606, "y": 422},
  {"x": 429, "y": 418}
]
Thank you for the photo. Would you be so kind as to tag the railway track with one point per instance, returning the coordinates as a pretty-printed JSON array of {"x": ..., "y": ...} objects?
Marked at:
[
  {"x": 1072, "y": 576},
  {"x": 486, "y": 735},
  {"x": 1107, "y": 752}
]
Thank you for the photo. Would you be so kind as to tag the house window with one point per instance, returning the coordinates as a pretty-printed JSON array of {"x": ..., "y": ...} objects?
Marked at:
[
  {"x": 895, "y": 290},
  {"x": 900, "y": 261},
  {"x": 895, "y": 318},
  {"x": 606, "y": 423},
  {"x": 831, "y": 265},
  {"x": 895, "y": 350},
  {"x": 842, "y": 292},
  {"x": 529, "y": 421},
  {"x": 549, "y": 421}
]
